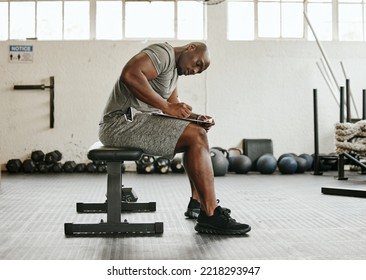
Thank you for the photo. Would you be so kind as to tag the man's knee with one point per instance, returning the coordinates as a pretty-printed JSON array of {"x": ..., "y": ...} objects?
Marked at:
[{"x": 193, "y": 135}]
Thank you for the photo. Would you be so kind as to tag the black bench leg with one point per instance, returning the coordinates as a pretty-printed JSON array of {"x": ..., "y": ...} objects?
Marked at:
[
  {"x": 114, "y": 206},
  {"x": 113, "y": 193}
]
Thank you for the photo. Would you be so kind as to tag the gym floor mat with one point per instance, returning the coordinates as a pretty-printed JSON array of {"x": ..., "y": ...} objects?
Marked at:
[{"x": 290, "y": 218}]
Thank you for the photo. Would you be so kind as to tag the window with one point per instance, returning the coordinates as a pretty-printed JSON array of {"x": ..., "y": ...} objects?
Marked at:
[
  {"x": 320, "y": 16},
  {"x": 109, "y": 20},
  {"x": 252, "y": 19},
  {"x": 272, "y": 19},
  {"x": 241, "y": 20},
  {"x": 102, "y": 19},
  {"x": 191, "y": 20},
  {"x": 22, "y": 18},
  {"x": 351, "y": 21},
  {"x": 3, "y": 21},
  {"x": 49, "y": 20},
  {"x": 150, "y": 19},
  {"x": 76, "y": 20}
]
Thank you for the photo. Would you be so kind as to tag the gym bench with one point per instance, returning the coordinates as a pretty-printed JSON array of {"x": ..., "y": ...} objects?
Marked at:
[{"x": 114, "y": 205}]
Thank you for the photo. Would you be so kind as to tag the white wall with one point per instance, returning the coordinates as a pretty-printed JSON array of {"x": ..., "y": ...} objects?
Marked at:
[{"x": 260, "y": 89}]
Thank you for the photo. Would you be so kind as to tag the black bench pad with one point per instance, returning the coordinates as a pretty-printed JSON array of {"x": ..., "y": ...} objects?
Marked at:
[{"x": 100, "y": 152}]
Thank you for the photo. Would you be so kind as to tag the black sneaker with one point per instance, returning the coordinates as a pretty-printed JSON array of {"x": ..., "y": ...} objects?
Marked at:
[
  {"x": 220, "y": 223},
  {"x": 193, "y": 209}
]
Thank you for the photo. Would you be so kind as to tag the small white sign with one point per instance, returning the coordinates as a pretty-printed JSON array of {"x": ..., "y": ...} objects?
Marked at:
[{"x": 20, "y": 53}]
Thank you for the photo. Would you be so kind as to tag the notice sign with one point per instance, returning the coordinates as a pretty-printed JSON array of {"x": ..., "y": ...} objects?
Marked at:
[{"x": 20, "y": 53}]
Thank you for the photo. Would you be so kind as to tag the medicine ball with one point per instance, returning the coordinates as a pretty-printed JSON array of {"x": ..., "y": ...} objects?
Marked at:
[
  {"x": 301, "y": 164},
  {"x": 266, "y": 164},
  {"x": 240, "y": 164},
  {"x": 287, "y": 165},
  {"x": 220, "y": 164},
  {"x": 285, "y": 155},
  {"x": 309, "y": 161}
]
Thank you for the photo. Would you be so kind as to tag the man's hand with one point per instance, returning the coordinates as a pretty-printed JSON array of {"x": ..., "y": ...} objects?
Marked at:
[
  {"x": 209, "y": 124},
  {"x": 180, "y": 109}
]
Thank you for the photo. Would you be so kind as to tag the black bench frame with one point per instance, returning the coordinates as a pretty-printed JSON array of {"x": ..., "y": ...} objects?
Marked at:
[{"x": 113, "y": 206}]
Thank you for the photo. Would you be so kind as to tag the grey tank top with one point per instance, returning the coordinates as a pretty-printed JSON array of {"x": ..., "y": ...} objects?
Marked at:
[{"x": 163, "y": 59}]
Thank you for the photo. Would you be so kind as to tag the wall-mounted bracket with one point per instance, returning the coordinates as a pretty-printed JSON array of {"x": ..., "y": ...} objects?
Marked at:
[{"x": 43, "y": 87}]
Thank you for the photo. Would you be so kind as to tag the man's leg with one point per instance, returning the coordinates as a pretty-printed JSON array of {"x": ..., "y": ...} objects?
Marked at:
[
  {"x": 194, "y": 143},
  {"x": 212, "y": 218}
]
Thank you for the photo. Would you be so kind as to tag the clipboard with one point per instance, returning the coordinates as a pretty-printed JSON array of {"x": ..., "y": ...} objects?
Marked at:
[{"x": 209, "y": 121}]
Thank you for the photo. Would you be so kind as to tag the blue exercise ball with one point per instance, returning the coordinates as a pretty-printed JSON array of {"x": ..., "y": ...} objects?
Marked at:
[
  {"x": 285, "y": 155},
  {"x": 241, "y": 164},
  {"x": 302, "y": 164},
  {"x": 266, "y": 164},
  {"x": 287, "y": 165},
  {"x": 309, "y": 160}
]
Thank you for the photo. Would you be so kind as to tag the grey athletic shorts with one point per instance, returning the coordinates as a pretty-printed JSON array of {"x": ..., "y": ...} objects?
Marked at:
[{"x": 155, "y": 135}]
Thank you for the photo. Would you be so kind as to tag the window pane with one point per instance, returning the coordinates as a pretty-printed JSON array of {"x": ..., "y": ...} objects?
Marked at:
[
  {"x": 320, "y": 16},
  {"x": 49, "y": 20},
  {"x": 350, "y": 22},
  {"x": 240, "y": 21},
  {"x": 190, "y": 20},
  {"x": 76, "y": 20},
  {"x": 109, "y": 20},
  {"x": 364, "y": 22},
  {"x": 149, "y": 19},
  {"x": 3, "y": 21},
  {"x": 269, "y": 20},
  {"x": 292, "y": 24},
  {"x": 22, "y": 20}
]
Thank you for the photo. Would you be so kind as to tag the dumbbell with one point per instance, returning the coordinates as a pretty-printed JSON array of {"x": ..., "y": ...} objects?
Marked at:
[
  {"x": 91, "y": 167},
  {"x": 145, "y": 165},
  {"x": 53, "y": 157},
  {"x": 128, "y": 195},
  {"x": 14, "y": 165},
  {"x": 101, "y": 166},
  {"x": 37, "y": 156},
  {"x": 43, "y": 167},
  {"x": 57, "y": 167},
  {"x": 177, "y": 165},
  {"x": 69, "y": 166},
  {"x": 29, "y": 166},
  {"x": 80, "y": 167},
  {"x": 161, "y": 165}
]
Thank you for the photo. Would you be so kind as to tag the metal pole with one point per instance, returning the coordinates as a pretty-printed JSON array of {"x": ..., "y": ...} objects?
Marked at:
[
  {"x": 316, "y": 136},
  {"x": 348, "y": 103},
  {"x": 341, "y": 120},
  {"x": 350, "y": 91},
  {"x": 328, "y": 82},
  {"x": 364, "y": 104},
  {"x": 321, "y": 49}
]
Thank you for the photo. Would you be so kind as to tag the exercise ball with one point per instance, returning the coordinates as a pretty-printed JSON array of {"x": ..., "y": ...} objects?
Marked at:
[
  {"x": 309, "y": 161},
  {"x": 285, "y": 155},
  {"x": 266, "y": 164},
  {"x": 287, "y": 165},
  {"x": 240, "y": 164},
  {"x": 220, "y": 164},
  {"x": 301, "y": 164}
]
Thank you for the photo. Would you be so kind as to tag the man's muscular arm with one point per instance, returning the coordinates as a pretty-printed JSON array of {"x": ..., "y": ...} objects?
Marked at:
[{"x": 136, "y": 74}]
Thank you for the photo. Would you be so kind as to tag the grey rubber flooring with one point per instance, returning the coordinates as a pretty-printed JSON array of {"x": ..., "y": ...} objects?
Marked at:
[{"x": 290, "y": 218}]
